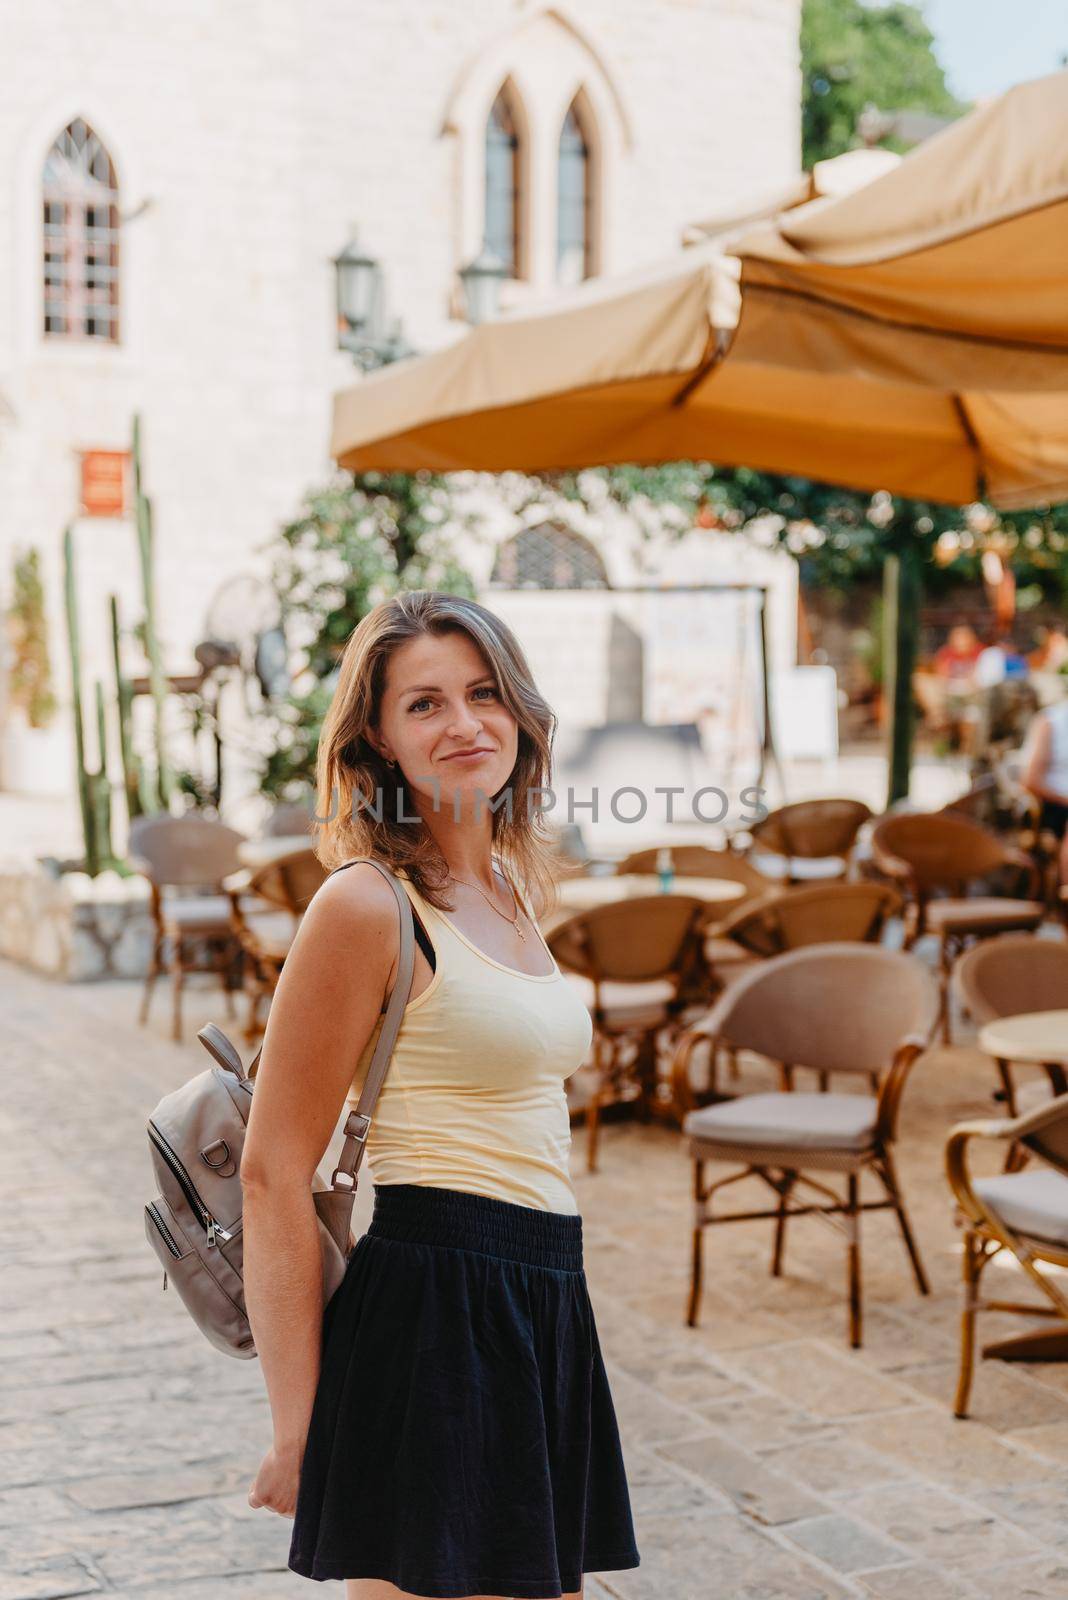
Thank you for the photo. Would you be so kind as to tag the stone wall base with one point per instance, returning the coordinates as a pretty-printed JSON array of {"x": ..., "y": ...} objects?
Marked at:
[{"x": 74, "y": 927}]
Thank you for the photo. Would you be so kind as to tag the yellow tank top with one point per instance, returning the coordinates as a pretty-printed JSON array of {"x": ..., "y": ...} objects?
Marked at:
[{"x": 474, "y": 1097}]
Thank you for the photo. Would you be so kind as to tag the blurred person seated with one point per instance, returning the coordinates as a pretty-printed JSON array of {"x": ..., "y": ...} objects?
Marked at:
[
  {"x": 998, "y": 662},
  {"x": 1052, "y": 652},
  {"x": 956, "y": 659},
  {"x": 1044, "y": 773},
  {"x": 948, "y": 696}
]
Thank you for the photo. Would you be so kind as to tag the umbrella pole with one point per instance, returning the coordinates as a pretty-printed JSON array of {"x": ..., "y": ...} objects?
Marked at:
[
  {"x": 901, "y": 612},
  {"x": 768, "y": 752}
]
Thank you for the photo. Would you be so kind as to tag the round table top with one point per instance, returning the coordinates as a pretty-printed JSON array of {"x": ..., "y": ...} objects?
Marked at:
[
  {"x": 256, "y": 853},
  {"x": 583, "y": 894},
  {"x": 1035, "y": 1036}
]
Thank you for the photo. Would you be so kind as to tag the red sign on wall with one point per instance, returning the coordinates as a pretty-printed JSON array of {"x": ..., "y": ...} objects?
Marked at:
[{"x": 105, "y": 474}]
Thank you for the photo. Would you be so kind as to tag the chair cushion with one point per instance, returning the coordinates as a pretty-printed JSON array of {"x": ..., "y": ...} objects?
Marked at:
[
  {"x": 1033, "y": 1093},
  {"x": 726, "y": 953},
  {"x": 1034, "y": 1203},
  {"x": 616, "y": 996},
  {"x": 804, "y": 869},
  {"x": 788, "y": 1121},
  {"x": 194, "y": 912},
  {"x": 984, "y": 911},
  {"x": 627, "y": 1005},
  {"x": 272, "y": 933}
]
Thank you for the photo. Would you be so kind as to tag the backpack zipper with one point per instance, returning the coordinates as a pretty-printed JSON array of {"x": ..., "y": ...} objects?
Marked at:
[
  {"x": 168, "y": 1237},
  {"x": 210, "y": 1225},
  {"x": 172, "y": 1246}
]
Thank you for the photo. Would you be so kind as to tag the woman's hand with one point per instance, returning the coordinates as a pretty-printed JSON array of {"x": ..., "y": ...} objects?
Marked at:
[
  {"x": 322, "y": 1014},
  {"x": 275, "y": 1485}
]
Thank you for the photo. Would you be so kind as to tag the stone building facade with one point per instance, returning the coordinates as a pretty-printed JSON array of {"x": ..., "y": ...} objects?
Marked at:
[{"x": 179, "y": 177}]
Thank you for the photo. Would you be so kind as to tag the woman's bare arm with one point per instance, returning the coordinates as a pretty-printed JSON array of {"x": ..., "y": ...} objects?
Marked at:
[
  {"x": 1041, "y": 748},
  {"x": 324, "y": 1010}
]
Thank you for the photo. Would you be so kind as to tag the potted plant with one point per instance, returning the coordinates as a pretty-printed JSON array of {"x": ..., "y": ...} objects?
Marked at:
[{"x": 35, "y": 755}]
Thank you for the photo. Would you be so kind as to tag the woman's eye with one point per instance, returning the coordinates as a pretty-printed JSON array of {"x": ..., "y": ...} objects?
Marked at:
[{"x": 483, "y": 688}]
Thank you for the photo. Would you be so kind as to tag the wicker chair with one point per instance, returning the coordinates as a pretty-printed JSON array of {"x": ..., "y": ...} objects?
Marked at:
[
  {"x": 924, "y": 854},
  {"x": 1007, "y": 977},
  {"x": 185, "y": 860},
  {"x": 788, "y": 919},
  {"x": 632, "y": 959},
  {"x": 809, "y": 839},
  {"x": 723, "y": 957},
  {"x": 265, "y": 911},
  {"x": 1024, "y": 1213},
  {"x": 837, "y": 1008}
]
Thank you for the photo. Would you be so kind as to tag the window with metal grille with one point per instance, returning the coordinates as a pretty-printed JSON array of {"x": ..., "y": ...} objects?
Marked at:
[
  {"x": 504, "y": 183},
  {"x": 574, "y": 241},
  {"x": 81, "y": 238},
  {"x": 548, "y": 557}
]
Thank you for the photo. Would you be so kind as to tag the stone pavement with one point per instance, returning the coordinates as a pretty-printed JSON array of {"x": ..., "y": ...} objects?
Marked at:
[{"x": 766, "y": 1459}]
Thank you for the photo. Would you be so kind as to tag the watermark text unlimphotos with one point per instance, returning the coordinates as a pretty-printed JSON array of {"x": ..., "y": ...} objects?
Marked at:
[{"x": 627, "y": 804}]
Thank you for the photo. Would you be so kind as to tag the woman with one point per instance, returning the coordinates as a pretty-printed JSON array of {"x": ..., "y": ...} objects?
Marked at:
[
  {"x": 1045, "y": 774},
  {"x": 445, "y": 1427}
]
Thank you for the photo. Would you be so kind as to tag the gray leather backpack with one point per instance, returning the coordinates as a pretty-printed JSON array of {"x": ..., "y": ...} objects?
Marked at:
[{"x": 196, "y": 1137}]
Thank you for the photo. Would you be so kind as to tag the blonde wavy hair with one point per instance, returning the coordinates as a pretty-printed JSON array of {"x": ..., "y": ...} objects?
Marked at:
[{"x": 354, "y": 782}]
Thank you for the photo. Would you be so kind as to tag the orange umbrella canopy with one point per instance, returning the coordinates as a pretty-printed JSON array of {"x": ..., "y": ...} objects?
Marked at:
[
  {"x": 946, "y": 278},
  {"x": 911, "y": 336}
]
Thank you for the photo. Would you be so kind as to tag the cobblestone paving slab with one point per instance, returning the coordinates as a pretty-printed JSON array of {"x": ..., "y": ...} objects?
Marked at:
[
  {"x": 917, "y": 1580},
  {"x": 767, "y": 1461}
]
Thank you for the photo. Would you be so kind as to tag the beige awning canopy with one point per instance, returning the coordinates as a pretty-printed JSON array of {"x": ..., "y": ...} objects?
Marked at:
[
  {"x": 911, "y": 335},
  {"x": 563, "y": 386},
  {"x": 827, "y": 179}
]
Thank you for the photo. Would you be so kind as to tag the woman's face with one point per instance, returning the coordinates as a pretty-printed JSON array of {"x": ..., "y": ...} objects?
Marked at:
[{"x": 443, "y": 722}]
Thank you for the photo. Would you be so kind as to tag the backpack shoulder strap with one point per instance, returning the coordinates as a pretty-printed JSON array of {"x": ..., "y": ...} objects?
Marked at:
[{"x": 358, "y": 1122}]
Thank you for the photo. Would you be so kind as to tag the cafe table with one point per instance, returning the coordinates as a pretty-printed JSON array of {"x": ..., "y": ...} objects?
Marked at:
[
  {"x": 587, "y": 893},
  {"x": 584, "y": 894},
  {"x": 1040, "y": 1039},
  {"x": 1034, "y": 1038}
]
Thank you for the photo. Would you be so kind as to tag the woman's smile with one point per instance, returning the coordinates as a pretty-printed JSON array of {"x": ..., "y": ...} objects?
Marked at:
[{"x": 467, "y": 756}]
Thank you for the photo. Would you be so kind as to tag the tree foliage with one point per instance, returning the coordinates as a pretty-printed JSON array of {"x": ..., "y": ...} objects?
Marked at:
[
  {"x": 31, "y": 668},
  {"x": 855, "y": 55},
  {"x": 355, "y": 542}
]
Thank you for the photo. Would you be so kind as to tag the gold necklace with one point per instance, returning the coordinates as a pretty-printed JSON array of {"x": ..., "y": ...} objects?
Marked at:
[{"x": 514, "y": 918}]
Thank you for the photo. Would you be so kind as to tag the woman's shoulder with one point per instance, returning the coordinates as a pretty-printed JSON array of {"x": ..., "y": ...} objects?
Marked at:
[{"x": 356, "y": 898}]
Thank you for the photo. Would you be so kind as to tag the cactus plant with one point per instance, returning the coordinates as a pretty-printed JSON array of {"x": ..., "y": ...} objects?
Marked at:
[
  {"x": 101, "y": 788},
  {"x": 133, "y": 772},
  {"x": 156, "y": 678},
  {"x": 94, "y": 796}
]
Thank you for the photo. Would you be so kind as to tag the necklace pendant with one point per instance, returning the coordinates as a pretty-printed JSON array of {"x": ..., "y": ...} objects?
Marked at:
[{"x": 519, "y": 930}]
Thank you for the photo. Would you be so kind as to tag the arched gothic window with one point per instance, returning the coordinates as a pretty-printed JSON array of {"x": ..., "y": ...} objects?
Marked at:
[
  {"x": 574, "y": 231},
  {"x": 548, "y": 557},
  {"x": 504, "y": 199},
  {"x": 81, "y": 238}
]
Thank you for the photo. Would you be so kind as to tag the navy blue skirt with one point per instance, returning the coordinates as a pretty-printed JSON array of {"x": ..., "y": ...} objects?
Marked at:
[{"x": 463, "y": 1439}]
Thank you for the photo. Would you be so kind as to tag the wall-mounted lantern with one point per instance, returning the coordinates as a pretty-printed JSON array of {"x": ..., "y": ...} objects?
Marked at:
[
  {"x": 482, "y": 279},
  {"x": 361, "y": 325}
]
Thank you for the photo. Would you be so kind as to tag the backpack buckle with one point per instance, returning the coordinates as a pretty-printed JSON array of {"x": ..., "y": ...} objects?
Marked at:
[{"x": 350, "y": 1131}]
